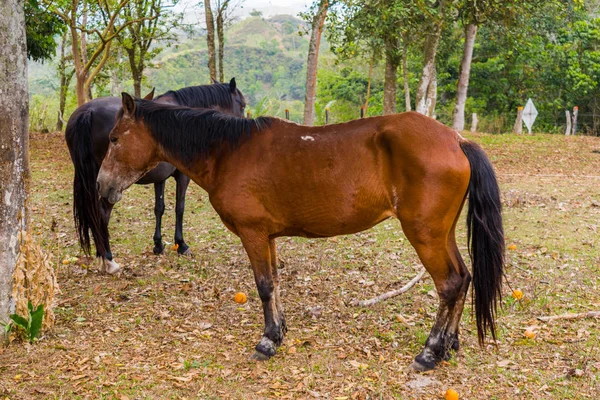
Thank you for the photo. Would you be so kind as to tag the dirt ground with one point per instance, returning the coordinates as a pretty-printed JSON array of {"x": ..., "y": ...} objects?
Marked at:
[{"x": 168, "y": 327}]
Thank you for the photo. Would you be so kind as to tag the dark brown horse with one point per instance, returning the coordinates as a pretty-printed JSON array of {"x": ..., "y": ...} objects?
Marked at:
[
  {"x": 268, "y": 178},
  {"x": 87, "y": 139}
]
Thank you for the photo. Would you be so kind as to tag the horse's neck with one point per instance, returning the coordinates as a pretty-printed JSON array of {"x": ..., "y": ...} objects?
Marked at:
[{"x": 200, "y": 171}]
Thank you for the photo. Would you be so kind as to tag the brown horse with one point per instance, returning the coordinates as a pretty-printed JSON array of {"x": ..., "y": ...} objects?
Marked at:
[{"x": 268, "y": 177}]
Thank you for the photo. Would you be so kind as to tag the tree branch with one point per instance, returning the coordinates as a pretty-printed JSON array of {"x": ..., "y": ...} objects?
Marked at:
[{"x": 392, "y": 293}]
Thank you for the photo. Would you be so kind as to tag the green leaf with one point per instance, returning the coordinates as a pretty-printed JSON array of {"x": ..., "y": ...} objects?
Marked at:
[
  {"x": 37, "y": 317},
  {"x": 22, "y": 322}
]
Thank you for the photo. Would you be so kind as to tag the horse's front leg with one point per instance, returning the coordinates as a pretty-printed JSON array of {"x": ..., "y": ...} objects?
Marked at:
[
  {"x": 159, "y": 210},
  {"x": 182, "y": 184},
  {"x": 258, "y": 247}
]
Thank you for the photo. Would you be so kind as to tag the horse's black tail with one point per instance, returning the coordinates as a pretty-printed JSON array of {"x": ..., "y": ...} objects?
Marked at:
[
  {"x": 486, "y": 238},
  {"x": 86, "y": 205}
]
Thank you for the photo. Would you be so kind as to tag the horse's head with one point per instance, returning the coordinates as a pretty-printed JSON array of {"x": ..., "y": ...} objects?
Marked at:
[
  {"x": 238, "y": 100},
  {"x": 131, "y": 153}
]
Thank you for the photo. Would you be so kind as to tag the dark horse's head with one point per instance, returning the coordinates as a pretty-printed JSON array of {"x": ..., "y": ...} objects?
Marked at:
[{"x": 222, "y": 96}]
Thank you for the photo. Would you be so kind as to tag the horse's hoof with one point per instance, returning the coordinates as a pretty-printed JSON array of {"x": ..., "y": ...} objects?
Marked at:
[
  {"x": 424, "y": 361},
  {"x": 111, "y": 267},
  {"x": 258, "y": 356},
  {"x": 158, "y": 249},
  {"x": 184, "y": 250},
  {"x": 417, "y": 366}
]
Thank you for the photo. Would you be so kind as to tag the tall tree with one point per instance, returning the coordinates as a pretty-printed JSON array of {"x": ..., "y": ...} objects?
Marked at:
[
  {"x": 433, "y": 24},
  {"x": 316, "y": 30},
  {"x": 221, "y": 10},
  {"x": 14, "y": 144},
  {"x": 65, "y": 80},
  {"x": 210, "y": 40},
  {"x": 154, "y": 21},
  {"x": 85, "y": 17}
]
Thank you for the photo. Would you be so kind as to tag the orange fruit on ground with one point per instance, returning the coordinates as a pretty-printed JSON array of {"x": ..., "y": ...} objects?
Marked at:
[
  {"x": 240, "y": 298},
  {"x": 517, "y": 294},
  {"x": 451, "y": 394},
  {"x": 175, "y": 247},
  {"x": 512, "y": 247},
  {"x": 529, "y": 334}
]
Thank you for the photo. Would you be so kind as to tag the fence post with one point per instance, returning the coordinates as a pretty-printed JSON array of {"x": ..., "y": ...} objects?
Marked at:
[
  {"x": 568, "y": 132},
  {"x": 575, "y": 112},
  {"x": 326, "y": 116},
  {"x": 362, "y": 111},
  {"x": 287, "y": 114},
  {"x": 248, "y": 114},
  {"x": 474, "y": 122},
  {"x": 518, "y": 127}
]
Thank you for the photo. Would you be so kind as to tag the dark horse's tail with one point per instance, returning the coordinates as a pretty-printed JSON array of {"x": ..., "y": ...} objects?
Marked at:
[
  {"x": 86, "y": 204},
  {"x": 485, "y": 236}
]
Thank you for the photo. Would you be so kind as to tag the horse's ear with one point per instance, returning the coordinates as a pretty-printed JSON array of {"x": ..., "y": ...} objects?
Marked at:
[
  {"x": 214, "y": 81},
  {"x": 128, "y": 104},
  {"x": 150, "y": 95},
  {"x": 232, "y": 85}
]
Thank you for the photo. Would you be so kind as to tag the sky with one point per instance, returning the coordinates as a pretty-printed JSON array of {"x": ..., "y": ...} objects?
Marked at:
[{"x": 267, "y": 7}]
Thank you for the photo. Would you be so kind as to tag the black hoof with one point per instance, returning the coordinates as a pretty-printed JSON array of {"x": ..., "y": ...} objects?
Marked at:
[
  {"x": 183, "y": 249},
  {"x": 423, "y": 363},
  {"x": 266, "y": 347},
  {"x": 158, "y": 249}
]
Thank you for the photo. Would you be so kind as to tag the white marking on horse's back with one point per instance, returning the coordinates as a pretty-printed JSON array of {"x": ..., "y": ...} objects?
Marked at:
[{"x": 312, "y": 139}]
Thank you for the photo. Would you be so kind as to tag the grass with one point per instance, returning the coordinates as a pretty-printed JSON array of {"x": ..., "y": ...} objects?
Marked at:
[{"x": 168, "y": 328}]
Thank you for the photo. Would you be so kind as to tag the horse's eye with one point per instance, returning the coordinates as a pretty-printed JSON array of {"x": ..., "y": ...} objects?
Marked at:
[{"x": 113, "y": 139}]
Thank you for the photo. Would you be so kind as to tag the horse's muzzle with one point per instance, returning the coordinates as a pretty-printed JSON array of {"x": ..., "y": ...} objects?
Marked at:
[{"x": 107, "y": 190}]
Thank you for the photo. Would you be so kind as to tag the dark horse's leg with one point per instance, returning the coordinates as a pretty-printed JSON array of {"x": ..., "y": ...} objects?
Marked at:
[
  {"x": 182, "y": 184},
  {"x": 159, "y": 210},
  {"x": 258, "y": 246},
  {"x": 106, "y": 259}
]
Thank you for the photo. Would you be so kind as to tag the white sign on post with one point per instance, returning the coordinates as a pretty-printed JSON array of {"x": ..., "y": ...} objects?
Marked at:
[{"x": 529, "y": 115}]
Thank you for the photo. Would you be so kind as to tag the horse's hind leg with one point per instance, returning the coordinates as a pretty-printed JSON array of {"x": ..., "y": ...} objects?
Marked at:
[
  {"x": 159, "y": 210},
  {"x": 182, "y": 184},
  {"x": 258, "y": 247}
]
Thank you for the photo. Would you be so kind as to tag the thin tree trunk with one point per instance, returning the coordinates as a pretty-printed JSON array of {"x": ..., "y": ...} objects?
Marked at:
[
  {"x": 432, "y": 95},
  {"x": 391, "y": 78},
  {"x": 369, "y": 84},
  {"x": 432, "y": 41},
  {"x": 14, "y": 156},
  {"x": 84, "y": 55},
  {"x": 210, "y": 40},
  {"x": 65, "y": 79},
  {"x": 312, "y": 62},
  {"x": 407, "y": 105},
  {"x": 221, "y": 37},
  {"x": 136, "y": 71},
  {"x": 458, "y": 120}
]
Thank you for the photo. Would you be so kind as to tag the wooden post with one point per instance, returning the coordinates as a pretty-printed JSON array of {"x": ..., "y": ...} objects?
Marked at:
[
  {"x": 474, "y": 122},
  {"x": 326, "y": 116},
  {"x": 248, "y": 114},
  {"x": 362, "y": 112},
  {"x": 575, "y": 112},
  {"x": 518, "y": 127},
  {"x": 287, "y": 114},
  {"x": 568, "y": 131}
]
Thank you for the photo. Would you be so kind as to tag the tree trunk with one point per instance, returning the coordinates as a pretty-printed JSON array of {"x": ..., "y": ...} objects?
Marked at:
[
  {"x": 65, "y": 79},
  {"x": 389, "y": 86},
  {"x": 221, "y": 37},
  {"x": 136, "y": 71},
  {"x": 432, "y": 95},
  {"x": 407, "y": 105},
  {"x": 458, "y": 120},
  {"x": 366, "y": 106},
  {"x": 14, "y": 156},
  {"x": 312, "y": 62},
  {"x": 210, "y": 40},
  {"x": 432, "y": 41}
]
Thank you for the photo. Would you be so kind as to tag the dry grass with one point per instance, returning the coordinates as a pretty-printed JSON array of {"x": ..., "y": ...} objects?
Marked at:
[{"x": 169, "y": 328}]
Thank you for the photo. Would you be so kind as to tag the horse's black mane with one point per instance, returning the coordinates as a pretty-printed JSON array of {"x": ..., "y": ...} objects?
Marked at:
[
  {"x": 189, "y": 133},
  {"x": 203, "y": 96}
]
